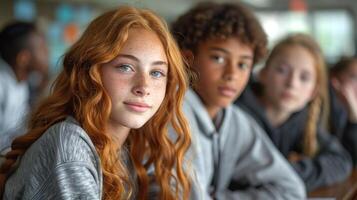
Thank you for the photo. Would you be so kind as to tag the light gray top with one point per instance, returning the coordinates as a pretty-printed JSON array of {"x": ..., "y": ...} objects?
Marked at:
[
  {"x": 61, "y": 164},
  {"x": 239, "y": 159},
  {"x": 14, "y": 105}
]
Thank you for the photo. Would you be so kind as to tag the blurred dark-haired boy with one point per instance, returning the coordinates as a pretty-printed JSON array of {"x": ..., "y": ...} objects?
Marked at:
[{"x": 23, "y": 50}]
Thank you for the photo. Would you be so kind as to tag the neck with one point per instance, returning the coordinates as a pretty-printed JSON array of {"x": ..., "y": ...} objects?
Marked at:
[
  {"x": 275, "y": 115},
  {"x": 119, "y": 133},
  {"x": 213, "y": 111}
]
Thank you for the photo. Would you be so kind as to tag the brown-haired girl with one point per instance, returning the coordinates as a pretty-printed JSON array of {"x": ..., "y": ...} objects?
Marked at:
[
  {"x": 343, "y": 96},
  {"x": 105, "y": 121},
  {"x": 290, "y": 102}
]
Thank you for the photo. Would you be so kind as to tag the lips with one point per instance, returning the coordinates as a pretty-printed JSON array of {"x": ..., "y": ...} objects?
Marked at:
[
  {"x": 227, "y": 91},
  {"x": 287, "y": 95},
  {"x": 137, "y": 106}
]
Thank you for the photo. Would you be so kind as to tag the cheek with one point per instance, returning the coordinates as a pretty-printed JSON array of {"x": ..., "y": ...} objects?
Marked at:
[
  {"x": 116, "y": 88},
  {"x": 309, "y": 94},
  {"x": 272, "y": 78},
  {"x": 159, "y": 90},
  {"x": 207, "y": 73},
  {"x": 274, "y": 85},
  {"x": 243, "y": 78}
]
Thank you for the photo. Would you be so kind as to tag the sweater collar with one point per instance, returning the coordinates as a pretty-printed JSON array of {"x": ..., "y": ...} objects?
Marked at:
[{"x": 205, "y": 122}]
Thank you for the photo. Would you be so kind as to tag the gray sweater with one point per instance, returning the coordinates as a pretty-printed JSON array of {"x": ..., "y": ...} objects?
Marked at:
[
  {"x": 61, "y": 164},
  {"x": 237, "y": 161}
]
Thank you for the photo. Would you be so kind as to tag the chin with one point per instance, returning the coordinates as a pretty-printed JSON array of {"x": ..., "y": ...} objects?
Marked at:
[
  {"x": 136, "y": 125},
  {"x": 225, "y": 103},
  {"x": 290, "y": 109}
]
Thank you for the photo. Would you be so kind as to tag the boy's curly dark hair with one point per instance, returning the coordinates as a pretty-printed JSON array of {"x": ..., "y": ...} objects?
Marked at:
[{"x": 212, "y": 20}]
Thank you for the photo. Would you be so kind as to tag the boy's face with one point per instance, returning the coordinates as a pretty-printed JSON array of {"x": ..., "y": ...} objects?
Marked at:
[
  {"x": 223, "y": 67},
  {"x": 39, "y": 53}
]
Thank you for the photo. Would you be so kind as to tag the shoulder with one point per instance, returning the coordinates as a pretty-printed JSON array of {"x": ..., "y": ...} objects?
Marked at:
[
  {"x": 245, "y": 120},
  {"x": 62, "y": 149},
  {"x": 246, "y": 130},
  {"x": 67, "y": 141},
  {"x": 64, "y": 142}
]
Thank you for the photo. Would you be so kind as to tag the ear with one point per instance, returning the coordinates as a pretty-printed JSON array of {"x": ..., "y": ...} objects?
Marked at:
[{"x": 188, "y": 56}]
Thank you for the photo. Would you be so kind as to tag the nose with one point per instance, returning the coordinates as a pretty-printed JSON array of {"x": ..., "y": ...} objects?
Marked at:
[
  {"x": 230, "y": 72},
  {"x": 141, "y": 87},
  {"x": 292, "y": 80}
]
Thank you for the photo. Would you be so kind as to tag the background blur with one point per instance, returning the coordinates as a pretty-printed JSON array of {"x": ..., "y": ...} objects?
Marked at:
[{"x": 332, "y": 23}]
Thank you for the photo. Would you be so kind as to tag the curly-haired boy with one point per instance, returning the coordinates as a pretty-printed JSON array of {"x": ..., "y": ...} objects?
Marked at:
[{"x": 233, "y": 157}]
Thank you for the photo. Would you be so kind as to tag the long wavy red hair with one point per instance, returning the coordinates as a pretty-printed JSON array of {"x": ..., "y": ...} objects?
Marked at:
[{"x": 78, "y": 91}]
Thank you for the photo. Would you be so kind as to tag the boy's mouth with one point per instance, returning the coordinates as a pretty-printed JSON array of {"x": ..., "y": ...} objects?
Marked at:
[{"x": 227, "y": 91}]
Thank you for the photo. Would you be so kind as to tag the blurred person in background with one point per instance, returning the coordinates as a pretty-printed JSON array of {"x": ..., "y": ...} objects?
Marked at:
[
  {"x": 290, "y": 102},
  {"x": 23, "y": 50},
  {"x": 343, "y": 118}
]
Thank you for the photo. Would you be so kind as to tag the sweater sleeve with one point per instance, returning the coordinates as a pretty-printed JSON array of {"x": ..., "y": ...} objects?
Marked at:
[
  {"x": 74, "y": 180},
  {"x": 61, "y": 164},
  {"x": 349, "y": 140},
  {"x": 332, "y": 163},
  {"x": 262, "y": 173}
]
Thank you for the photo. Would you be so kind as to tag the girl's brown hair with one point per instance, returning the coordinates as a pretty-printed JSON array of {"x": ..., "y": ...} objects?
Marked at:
[
  {"x": 342, "y": 65},
  {"x": 319, "y": 105},
  {"x": 78, "y": 91}
]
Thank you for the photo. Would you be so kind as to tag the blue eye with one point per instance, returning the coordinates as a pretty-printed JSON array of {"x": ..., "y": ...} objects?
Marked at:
[
  {"x": 125, "y": 68},
  {"x": 157, "y": 74}
]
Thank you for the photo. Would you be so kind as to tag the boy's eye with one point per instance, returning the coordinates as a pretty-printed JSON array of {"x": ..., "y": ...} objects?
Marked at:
[
  {"x": 157, "y": 74},
  {"x": 218, "y": 59},
  {"x": 243, "y": 66},
  {"x": 125, "y": 68}
]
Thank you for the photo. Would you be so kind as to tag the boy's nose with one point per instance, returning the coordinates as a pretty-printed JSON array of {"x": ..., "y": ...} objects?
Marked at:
[
  {"x": 230, "y": 72},
  {"x": 228, "y": 77}
]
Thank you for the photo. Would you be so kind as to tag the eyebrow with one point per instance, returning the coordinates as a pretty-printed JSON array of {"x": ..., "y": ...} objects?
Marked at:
[
  {"x": 159, "y": 62},
  {"x": 227, "y": 52}
]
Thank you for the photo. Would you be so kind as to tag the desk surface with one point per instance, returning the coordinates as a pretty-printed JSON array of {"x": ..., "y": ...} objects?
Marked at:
[{"x": 344, "y": 190}]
